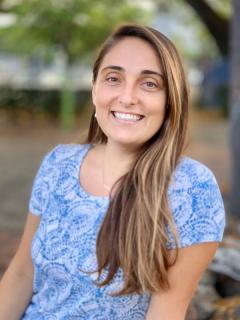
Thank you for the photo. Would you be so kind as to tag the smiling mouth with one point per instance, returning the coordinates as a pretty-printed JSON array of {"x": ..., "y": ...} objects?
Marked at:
[{"x": 127, "y": 116}]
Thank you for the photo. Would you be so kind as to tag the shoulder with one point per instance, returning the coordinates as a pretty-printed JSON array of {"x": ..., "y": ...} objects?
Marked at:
[
  {"x": 58, "y": 161},
  {"x": 195, "y": 184},
  {"x": 192, "y": 173},
  {"x": 65, "y": 151},
  {"x": 196, "y": 203},
  {"x": 57, "y": 166}
]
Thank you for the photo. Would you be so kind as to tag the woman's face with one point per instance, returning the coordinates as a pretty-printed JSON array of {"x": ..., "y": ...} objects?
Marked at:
[{"x": 129, "y": 93}]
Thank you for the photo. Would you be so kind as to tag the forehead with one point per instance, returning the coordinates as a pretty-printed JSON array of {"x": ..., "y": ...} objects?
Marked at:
[{"x": 132, "y": 53}]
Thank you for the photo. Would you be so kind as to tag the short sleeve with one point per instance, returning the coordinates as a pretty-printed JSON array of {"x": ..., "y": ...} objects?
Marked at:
[
  {"x": 196, "y": 204},
  {"x": 43, "y": 183}
]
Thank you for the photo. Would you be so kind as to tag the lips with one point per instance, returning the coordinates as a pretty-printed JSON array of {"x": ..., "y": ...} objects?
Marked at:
[{"x": 127, "y": 116}]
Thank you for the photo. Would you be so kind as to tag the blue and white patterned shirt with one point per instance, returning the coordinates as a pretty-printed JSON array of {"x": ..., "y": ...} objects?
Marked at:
[{"x": 64, "y": 243}]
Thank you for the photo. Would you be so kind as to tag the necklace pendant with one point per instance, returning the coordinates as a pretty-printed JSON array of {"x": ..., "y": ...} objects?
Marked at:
[{"x": 106, "y": 187}]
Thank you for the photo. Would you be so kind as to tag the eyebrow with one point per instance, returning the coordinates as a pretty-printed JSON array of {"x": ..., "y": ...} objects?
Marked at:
[{"x": 145, "y": 72}]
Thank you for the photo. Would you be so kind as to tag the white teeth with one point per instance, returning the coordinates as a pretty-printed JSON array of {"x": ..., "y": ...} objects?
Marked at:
[{"x": 126, "y": 116}]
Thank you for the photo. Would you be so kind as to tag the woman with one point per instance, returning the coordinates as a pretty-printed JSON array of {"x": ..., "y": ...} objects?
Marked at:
[{"x": 123, "y": 226}]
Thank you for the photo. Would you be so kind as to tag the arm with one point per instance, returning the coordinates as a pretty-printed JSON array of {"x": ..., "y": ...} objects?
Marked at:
[
  {"x": 183, "y": 278},
  {"x": 16, "y": 284}
]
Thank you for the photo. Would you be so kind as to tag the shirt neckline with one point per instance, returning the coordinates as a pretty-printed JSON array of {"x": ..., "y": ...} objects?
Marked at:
[{"x": 83, "y": 191}]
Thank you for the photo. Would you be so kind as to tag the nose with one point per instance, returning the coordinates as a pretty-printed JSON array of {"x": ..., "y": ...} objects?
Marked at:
[{"x": 128, "y": 95}]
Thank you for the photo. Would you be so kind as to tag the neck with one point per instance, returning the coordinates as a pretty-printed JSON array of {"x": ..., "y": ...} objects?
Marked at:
[{"x": 116, "y": 161}]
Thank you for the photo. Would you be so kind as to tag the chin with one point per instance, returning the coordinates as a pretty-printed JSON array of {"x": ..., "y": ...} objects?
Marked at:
[{"x": 128, "y": 143}]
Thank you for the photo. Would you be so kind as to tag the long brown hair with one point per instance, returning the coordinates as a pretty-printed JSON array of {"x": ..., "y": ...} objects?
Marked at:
[{"x": 133, "y": 235}]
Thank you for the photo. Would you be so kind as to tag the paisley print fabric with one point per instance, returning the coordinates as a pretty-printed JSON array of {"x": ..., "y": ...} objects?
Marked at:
[{"x": 63, "y": 247}]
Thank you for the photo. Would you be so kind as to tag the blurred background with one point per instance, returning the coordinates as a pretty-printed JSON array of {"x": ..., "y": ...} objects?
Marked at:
[{"x": 46, "y": 52}]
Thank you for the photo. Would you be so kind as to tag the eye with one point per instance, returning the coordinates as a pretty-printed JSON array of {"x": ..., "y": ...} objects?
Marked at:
[
  {"x": 111, "y": 79},
  {"x": 150, "y": 85}
]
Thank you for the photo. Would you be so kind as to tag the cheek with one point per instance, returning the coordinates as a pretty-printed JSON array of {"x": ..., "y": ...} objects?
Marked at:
[
  {"x": 103, "y": 98},
  {"x": 99, "y": 102},
  {"x": 158, "y": 109},
  {"x": 158, "y": 114}
]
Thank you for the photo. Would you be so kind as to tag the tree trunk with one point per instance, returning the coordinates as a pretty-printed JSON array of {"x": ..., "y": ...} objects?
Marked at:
[
  {"x": 234, "y": 199},
  {"x": 67, "y": 107},
  {"x": 217, "y": 26}
]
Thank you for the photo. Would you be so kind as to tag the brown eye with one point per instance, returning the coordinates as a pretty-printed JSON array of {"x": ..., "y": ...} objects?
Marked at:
[
  {"x": 151, "y": 84},
  {"x": 111, "y": 79}
]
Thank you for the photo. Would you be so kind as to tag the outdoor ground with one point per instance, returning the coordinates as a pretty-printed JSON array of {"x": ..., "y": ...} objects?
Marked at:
[{"x": 23, "y": 146}]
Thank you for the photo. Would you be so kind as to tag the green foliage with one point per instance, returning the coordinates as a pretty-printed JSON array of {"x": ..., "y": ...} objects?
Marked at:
[
  {"x": 38, "y": 101},
  {"x": 76, "y": 26},
  {"x": 31, "y": 101}
]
